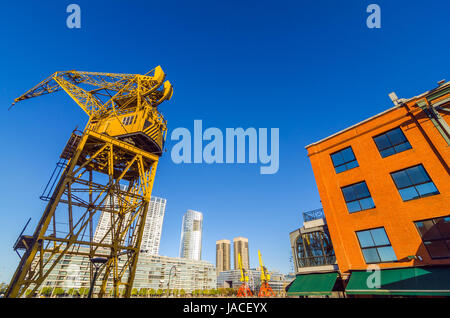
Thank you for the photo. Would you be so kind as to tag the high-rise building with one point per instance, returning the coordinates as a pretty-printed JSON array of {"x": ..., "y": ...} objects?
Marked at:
[
  {"x": 153, "y": 225},
  {"x": 191, "y": 235},
  {"x": 223, "y": 261},
  {"x": 240, "y": 246},
  {"x": 102, "y": 233}
]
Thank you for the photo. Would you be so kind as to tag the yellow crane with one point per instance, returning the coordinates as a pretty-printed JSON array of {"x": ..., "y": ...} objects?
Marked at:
[
  {"x": 265, "y": 290},
  {"x": 107, "y": 169},
  {"x": 244, "y": 290}
]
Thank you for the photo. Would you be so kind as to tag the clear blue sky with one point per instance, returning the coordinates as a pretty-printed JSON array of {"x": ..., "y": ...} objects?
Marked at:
[{"x": 309, "y": 68}]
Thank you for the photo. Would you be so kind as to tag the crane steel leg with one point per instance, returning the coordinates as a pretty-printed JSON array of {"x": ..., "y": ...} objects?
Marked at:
[{"x": 86, "y": 197}]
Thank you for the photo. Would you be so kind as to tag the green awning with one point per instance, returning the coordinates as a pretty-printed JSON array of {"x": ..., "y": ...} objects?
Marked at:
[
  {"x": 412, "y": 281},
  {"x": 313, "y": 284}
]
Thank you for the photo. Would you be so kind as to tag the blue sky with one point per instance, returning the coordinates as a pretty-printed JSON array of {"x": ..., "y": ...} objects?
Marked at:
[{"x": 309, "y": 68}]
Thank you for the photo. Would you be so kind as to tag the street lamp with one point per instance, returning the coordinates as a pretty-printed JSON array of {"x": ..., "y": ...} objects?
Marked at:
[
  {"x": 170, "y": 273},
  {"x": 97, "y": 262}
]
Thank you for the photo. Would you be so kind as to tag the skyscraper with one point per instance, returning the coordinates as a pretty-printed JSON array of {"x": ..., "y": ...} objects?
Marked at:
[
  {"x": 191, "y": 235},
  {"x": 223, "y": 261},
  {"x": 240, "y": 246},
  {"x": 153, "y": 225}
]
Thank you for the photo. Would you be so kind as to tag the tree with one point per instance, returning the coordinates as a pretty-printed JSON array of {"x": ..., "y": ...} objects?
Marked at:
[
  {"x": 46, "y": 291},
  {"x": 230, "y": 292},
  {"x": 182, "y": 292},
  {"x": 3, "y": 288},
  {"x": 59, "y": 292},
  {"x": 159, "y": 292},
  {"x": 134, "y": 292},
  {"x": 151, "y": 292},
  {"x": 143, "y": 292},
  {"x": 84, "y": 291}
]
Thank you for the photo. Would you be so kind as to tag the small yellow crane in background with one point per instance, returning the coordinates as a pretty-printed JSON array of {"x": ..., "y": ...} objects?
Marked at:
[
  {"x": 265, "y": 290},
  {"x": 244, "y": 290}
]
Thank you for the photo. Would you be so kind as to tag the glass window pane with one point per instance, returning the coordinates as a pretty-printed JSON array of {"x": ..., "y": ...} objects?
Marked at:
[
  {"x": 437, "y": 249},
  {"x": 353, "y": 206},
  {"x": 337, "y": 159},
  {"x": 402, "y": 147},
  {"x": 396, "y": 136},
  {"x": 365, "y": 239},
  {"x": 427, "y": 189},
  {"x": 352, "y": 164},
  {"x": 361, "y": 190},
  {"x": 349, "y": 195},
  {"x": 382, "y": 142},
  {"x": 387, "y": 152},
  {"x": 371, "y": 255},
  {"x": 380, "y": 237},
  {"x": 424, "y": 226},
  {"x": 417, "y": 174},
  {"x": 367, "y": 203},
  {"x": 428, "y": 230},
  {"x": 341, "y": 158},
  {"x": 408, "y": 193},
  {"x": 387, "y": 254},
  {"x": 340, "y": 169},
  {"x": 443, "y": 225},
  {"x": 348, "y": 155},
  {"x": 401, "y": 179}
]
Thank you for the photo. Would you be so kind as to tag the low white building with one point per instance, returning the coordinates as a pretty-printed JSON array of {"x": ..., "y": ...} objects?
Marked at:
[{"x": 153, "y": 271}]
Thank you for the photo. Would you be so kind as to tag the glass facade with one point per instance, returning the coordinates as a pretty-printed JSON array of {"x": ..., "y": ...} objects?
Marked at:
[
  {"x": 435, "y": 234},
  {"x": 191, "y": 235},
  {"x": 391, "y": 142},
  {"x": 357, "y": 197},
  {"x": 344, "y": 160},
  {"x": 414, "y": 183},
  {"x": 375, "y": 246},
  {"x": 314, "y": 249}
]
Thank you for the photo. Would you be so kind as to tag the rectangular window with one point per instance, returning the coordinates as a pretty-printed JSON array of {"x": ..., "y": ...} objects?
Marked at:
[
  {"x": 414, "y": 183},
  {"x": 435, "y": 234},
  {"x": 128, "y": 120},
  {"x": 391, "y": 142},
  {"x": 375, "y": 246},
  {"x": 344, "y": 160},
  {"x": 357, "y": 197}
]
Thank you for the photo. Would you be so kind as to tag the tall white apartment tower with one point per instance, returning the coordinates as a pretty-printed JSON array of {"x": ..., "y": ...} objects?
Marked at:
[
  {"x": 153, "y": 226},
  {"x": 191, "y": 235},
  {"x": 152, "y": 230}
]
